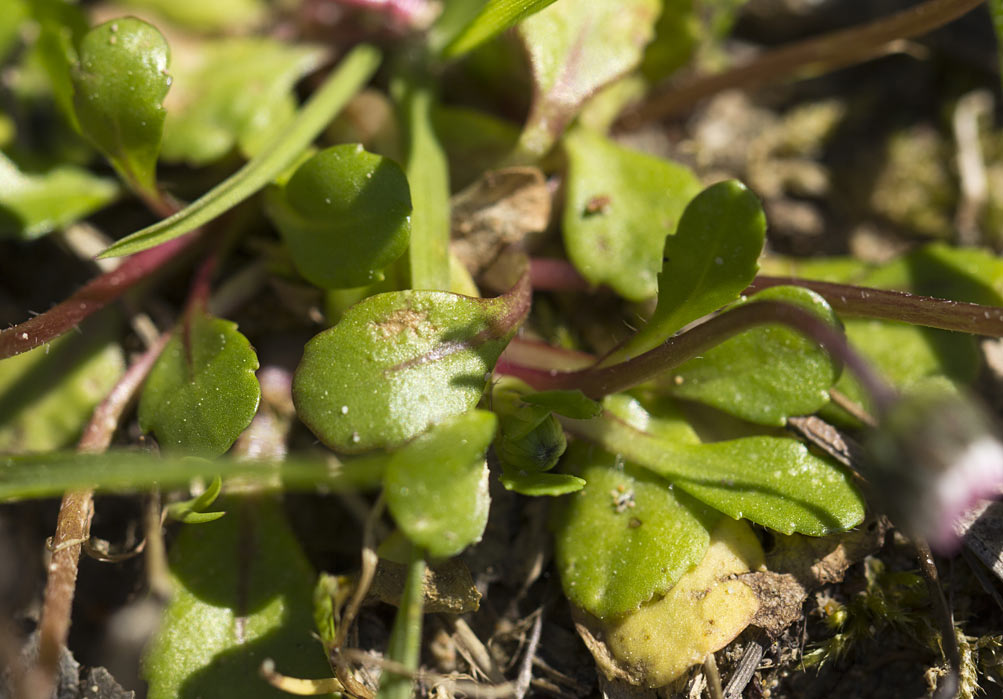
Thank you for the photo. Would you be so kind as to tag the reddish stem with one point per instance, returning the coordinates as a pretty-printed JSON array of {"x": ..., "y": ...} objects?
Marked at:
[
  {"x": 898, "y": 305},
  {"x": 94, "y": 296},
  {"x": 597, "y": 382}
]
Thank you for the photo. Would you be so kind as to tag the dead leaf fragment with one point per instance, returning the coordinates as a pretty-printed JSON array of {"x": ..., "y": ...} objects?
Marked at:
[
  {"x": 448, "y": 587},
  {"x": 499, "y": 209}
]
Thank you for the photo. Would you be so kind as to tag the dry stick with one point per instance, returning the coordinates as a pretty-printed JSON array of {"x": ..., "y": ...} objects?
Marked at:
[
  {"x": 73, "y": 529},
  {"x": 713, "y": 677},
  {"x": 885, "y": 304},
  {"x": 525, "y": 676},
  {"x": 942, "y": 615},
  {"x": 820, "y": 54},
  {"x": 747, "y": 667}
]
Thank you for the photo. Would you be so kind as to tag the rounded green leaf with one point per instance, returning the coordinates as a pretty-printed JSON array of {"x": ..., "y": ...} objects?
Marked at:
[
  {"x": 400, "y": 362},
  {"x": 626, "y": 537},
  {"x": 766, "y": 374},
  {"x": 202, "y": 392},
  {"x": 120, "y": 84},
  {"x": 242, "y": 591},
  {"x": 621, "y": 204},
  {"x": 345, "y": 215},
  {"x": 537, "y": 484},
  {"x": 437, "y": 486}
]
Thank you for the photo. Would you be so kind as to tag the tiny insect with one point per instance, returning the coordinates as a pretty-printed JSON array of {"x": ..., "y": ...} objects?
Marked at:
[{"x": 622, "y": 498}]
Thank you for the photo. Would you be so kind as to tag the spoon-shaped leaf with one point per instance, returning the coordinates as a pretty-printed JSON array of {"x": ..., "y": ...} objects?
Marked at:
[
  {"x": 437, "y": 486},
  {"x": 345, "y": 215},
  {"x": 766, "y": 374},
  {"x": 353, "y": 72},
  {"x": 621, "y": 204},
  {"x": 773, "y": 481},
  {"x": 119, "y": 85},
  {"x": 202, "y": 392},
  {"x": 400, "y": 362},
  {"x": 708, "y": 262},
  {"x": 626, "y": 537},
  {"x": 574, "y": 49},
  {"x": 242, "y": 593}
]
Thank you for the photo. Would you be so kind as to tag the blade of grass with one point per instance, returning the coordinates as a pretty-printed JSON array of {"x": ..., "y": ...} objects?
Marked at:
[
  {"x": 353, "y": 72},
  {"x": 405, "y": 638}
]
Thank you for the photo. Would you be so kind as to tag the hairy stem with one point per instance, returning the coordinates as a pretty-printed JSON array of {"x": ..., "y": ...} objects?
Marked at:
[
  {"x": 91, "y": 298},
  {"x": 902, "y": 306},
  {"x": 820, "y": 54}
]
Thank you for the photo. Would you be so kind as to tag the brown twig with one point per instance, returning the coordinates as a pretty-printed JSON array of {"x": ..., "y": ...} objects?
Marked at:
[
  {"x": 73, "y": 529},
  {"x": 811, "y": 56}
]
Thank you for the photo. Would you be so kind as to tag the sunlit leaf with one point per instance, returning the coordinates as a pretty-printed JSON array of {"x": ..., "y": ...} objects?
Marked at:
[
  {"x": 242, "y": 593},
  {"x": 574, "y": 49},
  {"x": 202, "y": 392},
  {"x": 620, "y": 206},
  {"x": 32, "y": 205},
  {"x": 708, "y": 262},
  {"x": 353, "y": 72},
  {"x": 47, "y": 395},
  {"x": 772, "y": 481},
  {"x": 120, "y": 84},
  {"x": 766, "y": 374},
  {"x": 703, "y": 613},
  {"x": 232, "y": 92},
  {"x": 345, "y": 215},
  {"x": 437, "y": 486},
  {"x": 569, "y": 403},
  {"x": 626, "y": 537},
  {"x": 494, "y": 17},
  {"x": 400, "y": 362}
]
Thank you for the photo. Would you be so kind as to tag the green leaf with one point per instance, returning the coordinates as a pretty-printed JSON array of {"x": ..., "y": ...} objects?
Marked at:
[
  {"x": 677, "y": 35},
  {"x": 530, "y": 439},
  {"x": 193, "y": 511},
  {"x": 233, "y": 91},
  {"x": 708, "y": 262},
  {"x": 120, "y": 84},
  {"x": 344, "y": 215},
  {"x": 437, "y": 486},
  {"x": 626, "y": 537},
  {"x": 216, "y": 16},
  {"x": 620, "y": 206},
  {"x": 428, "y": 175},
  {"x": 539, "y": 484},
  {"x": 353, "y": 72},
  {"x": 400, "y": 362},
  {"x": 15, "y": 12},
  {"x": 766, "y": 374},
  {"x": 494, "y": 18},
  {"x": 53, "y": 473},
  {"x": 905, "y": 355},
  {"x": 47, "y": 395},
  {"x": 772, "y": 481},
  {"x": 473, "y": 141},
  {"x": 33, "y": 205},
  {"x": 202, "y": 392},
  {"x": 61, "y": 27},
  {"x": 404, "y": 646},
  {"x": 242, "y": 593},
  {"x": 574, "y": 49},
  {"x": 569, "y": 403}
]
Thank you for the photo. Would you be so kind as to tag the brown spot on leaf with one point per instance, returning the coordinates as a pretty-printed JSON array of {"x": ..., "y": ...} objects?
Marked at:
[{"x": 401, "y": 320}]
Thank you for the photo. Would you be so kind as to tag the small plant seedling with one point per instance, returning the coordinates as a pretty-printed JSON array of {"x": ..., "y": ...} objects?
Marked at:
[{"x": 598, "y": 343}]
